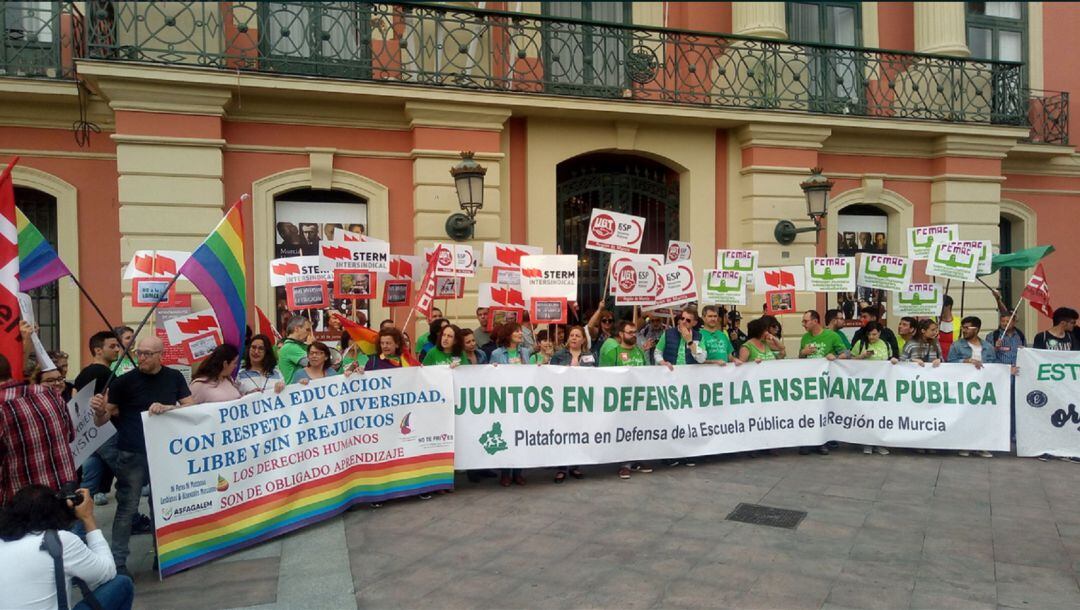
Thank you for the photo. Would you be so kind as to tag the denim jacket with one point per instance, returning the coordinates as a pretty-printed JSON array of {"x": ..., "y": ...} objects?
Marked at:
[{"x": 960, "y": 351}]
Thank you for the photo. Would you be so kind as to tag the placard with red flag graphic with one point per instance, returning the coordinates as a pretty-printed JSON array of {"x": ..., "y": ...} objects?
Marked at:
[
  {"x": 10, "y": 341},
  {"x": 1037, "y": 292}
]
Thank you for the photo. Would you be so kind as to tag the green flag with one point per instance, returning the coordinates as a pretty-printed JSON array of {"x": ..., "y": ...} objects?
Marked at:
[{"x": 1021, "y": 259}]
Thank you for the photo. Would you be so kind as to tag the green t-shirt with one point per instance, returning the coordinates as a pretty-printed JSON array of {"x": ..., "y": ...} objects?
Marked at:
[
  {"x": 613, "y": 354},
  {"x": 879, "y": 347},
  {"x": 755, "y": 354},
  {"x": 825, "y": 343},
  {"x": 289, "y": 356},
  {"x": 843, "y": 337},
  {"x": 421, "y": 342},
  {"x": 538, "y": 358},
  {"x": 680, "y": 354},
  {"x": 437, "y": 356},
  {"x": 125, "y": 363},
  {"x": 717, "y": 344}
]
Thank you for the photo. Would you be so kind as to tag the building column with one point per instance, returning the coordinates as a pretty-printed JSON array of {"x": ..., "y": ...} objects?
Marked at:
[
  {"x": 966, "y": 191},
  {"x": 775, "y": 159},
  {"x": 764, "y": 19},
  {"x": 440, "y": 132},
  {"x": 169, "y": 160},
  {"x": 941, "y": 28}
]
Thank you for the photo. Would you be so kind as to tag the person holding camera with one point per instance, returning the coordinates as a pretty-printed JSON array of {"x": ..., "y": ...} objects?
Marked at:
[{"x": 39, "y": 557}]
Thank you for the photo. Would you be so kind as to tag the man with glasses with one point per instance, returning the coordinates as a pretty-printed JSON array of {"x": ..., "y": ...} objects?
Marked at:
[
  {"x": 601, "y": 327},
  {"x": 679, "y": 346},
  {"x": 820, "y": 342},
  {"x": 623, "y": 350},
  {"x": 124, "y": 402}
]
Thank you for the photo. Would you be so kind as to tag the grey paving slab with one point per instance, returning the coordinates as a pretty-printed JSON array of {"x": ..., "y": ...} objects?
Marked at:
[{"x": 932, "y": 531}]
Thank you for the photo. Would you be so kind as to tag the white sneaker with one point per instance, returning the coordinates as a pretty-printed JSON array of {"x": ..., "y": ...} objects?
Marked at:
[
  {"x": 867, "y": 450},
  {"x": 963, "y": 453},
  {"x": 881, "y": 450},
  {"x": 984, "y": 454},
  {"x": 101, "y": 499}
]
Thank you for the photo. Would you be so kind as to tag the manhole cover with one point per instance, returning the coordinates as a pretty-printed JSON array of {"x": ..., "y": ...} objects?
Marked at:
[{"x": 757, "y": 514}]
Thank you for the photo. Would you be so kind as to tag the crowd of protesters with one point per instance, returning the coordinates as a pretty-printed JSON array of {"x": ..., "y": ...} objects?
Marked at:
[{"x": 41, "y": 490}]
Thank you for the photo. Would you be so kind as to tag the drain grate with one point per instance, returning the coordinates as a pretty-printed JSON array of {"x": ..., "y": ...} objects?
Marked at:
[{"x": 756, "y": 514}]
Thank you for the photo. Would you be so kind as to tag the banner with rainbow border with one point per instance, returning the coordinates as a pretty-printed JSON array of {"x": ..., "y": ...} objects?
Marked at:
[{"x": 231, "y": 475}]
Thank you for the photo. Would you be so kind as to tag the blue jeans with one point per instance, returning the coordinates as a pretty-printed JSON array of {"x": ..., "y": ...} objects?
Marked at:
[
  {"x": 132, "y": 473},
  {"x": 117, "y": 594},
  {"x": 94, "y": 469}
]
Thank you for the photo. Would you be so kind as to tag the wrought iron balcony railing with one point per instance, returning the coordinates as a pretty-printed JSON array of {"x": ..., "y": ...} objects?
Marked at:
[
  {"x": 1048, "y": 115},
  {"x": 451, "y": 46},
  {"x": 40, "y": 39}
]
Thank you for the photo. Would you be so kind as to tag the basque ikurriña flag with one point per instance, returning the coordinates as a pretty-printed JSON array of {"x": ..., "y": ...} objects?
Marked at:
[
  {"x": 217, "y": 269},
  {"x": 10, "y": 341}
]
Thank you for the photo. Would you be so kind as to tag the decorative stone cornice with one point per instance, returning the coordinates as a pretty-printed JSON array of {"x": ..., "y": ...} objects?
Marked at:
[
  {"x": 782, "y": 136},
  {"x": 460, "y": 116},
  {"x": 973, "y": 146}
]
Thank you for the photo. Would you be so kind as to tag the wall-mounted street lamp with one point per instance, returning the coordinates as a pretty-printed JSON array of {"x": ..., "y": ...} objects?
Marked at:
[
  {"x": 816, "y": 188},
  {"x": 469, "y": 182}
]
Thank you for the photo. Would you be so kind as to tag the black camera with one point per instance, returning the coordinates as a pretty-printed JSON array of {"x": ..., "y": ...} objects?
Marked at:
[{"x": 76, "y": 497}]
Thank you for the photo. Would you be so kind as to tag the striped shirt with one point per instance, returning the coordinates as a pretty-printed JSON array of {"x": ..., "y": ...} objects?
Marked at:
[{"x": 35, "y": 437}]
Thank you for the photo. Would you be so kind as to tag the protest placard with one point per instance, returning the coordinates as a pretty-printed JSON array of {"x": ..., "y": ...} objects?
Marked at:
[
  {"x": 507, "y": 255},
  {"x": 736, "y": 260},
  {"x": 155, "y": 263},
  {"x": 499, "y": 295},
  {"x": 767, "y": 279},
  {"x": 918, "y": 300},
  {"x": 634, "y": 279},
  {"x": 355, "y": 255},
  {"x": 830, "y": 274},
  {"x": 678, "y": 251},
  {"x": 719, "y": 287},
  {"x": 549, "y": 275},
  {"x": 297, "y": 269},
  {"x": 677, "y": 285},
  {"x": 884, "y": 272},
  {"x": 986, "y": 254},
  {"x": 88, "y": 435},
  {"x": 954, "y": 260},
  {"x": 921, "y": 239},
  {"x": 615, "y": 232},
  {"x": 454, "y": 260}
]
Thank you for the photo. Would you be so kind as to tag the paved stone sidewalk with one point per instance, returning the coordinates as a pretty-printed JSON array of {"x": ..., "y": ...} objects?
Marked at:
[{"x": 899, "y": 531}]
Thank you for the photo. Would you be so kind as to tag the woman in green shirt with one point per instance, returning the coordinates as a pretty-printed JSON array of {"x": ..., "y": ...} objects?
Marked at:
[
  {"x": 448, "y": 348},
  {"x": 871, "y": 347},
  {"x": 545, "y": 349},
  {"x": 760, "y": 345}
]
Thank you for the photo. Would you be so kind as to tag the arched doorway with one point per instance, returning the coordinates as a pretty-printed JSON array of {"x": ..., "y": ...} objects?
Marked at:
[
  {"x": 40, "y": 209},
  {"x": 302, "y": 219},
  {"x": 622, "y": 183}
]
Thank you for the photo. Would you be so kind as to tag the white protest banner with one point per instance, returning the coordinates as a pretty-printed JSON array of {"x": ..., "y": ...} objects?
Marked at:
[
  {"x": 346, "y": 235},
  {"x": 404, "y": 267},
  {"x": 986, "y": 254},
  {"x": 297, "y": 269},
  {"x": 499, "y": 295},
  {"x": 769, "y": 279},
  {"x": 615, "y": 232},
  {"x": 354, "y": 256},
  {"x": 678, "y": 251},
  {"x": 549, "y": 275},
  {"x": 677, "y": 285},
  {"x": 1047, "y": 390},
  {"x": 721, "y": 287},
  {"x": 507, "y": 255},
  {"x": 830, "y": 274},
  {"x": 182, "y": 328},
  {"x": 245, "y": 471},
  {"x": 736, "y": 260},
  {"x": 955, "y": 260},
  {"x": 918, "y": 300},
  {"x": 155, "y": 263},
  {"x": 884, "y": 272},
  {"x": 921, "y": 239},
  {"x": 88, "y": 435},
  {"x": 525, "y": 417},
  {"x": 634, "y": 279},
  {"x": 454, "y": 260}
]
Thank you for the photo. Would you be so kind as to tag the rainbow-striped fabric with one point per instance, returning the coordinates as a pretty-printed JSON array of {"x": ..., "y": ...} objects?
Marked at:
[
  {"x": 38, "y": 262},
  {"x": 217, "y": 269},
  {"x": 199, "y": 540}
]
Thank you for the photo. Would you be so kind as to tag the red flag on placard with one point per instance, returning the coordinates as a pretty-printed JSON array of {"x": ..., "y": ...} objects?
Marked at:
[
  {"x": 1037, "y": 292},
  {"x": 10, "y": 340},
  {"x": 266, "y": 327},
  {"x": 426, "y": 297}
]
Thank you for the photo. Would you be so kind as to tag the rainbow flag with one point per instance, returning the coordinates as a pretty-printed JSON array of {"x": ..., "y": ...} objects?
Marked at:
[
  {"x": 38, "y": 262},
  {"x": 190, "y": 543},
  {"x": 216, "y": 268},
  {"x": 366, "y": 339}
]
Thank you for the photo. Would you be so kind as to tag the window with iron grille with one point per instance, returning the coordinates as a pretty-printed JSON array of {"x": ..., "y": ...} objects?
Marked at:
[{"x": 40, "y": 209}]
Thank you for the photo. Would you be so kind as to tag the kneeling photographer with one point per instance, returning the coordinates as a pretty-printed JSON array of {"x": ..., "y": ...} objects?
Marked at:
[{"x": 39, "y": 557}]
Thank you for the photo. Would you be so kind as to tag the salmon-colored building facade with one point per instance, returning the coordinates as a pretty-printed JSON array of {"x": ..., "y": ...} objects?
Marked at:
[{"x": 138, "y": 123}]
